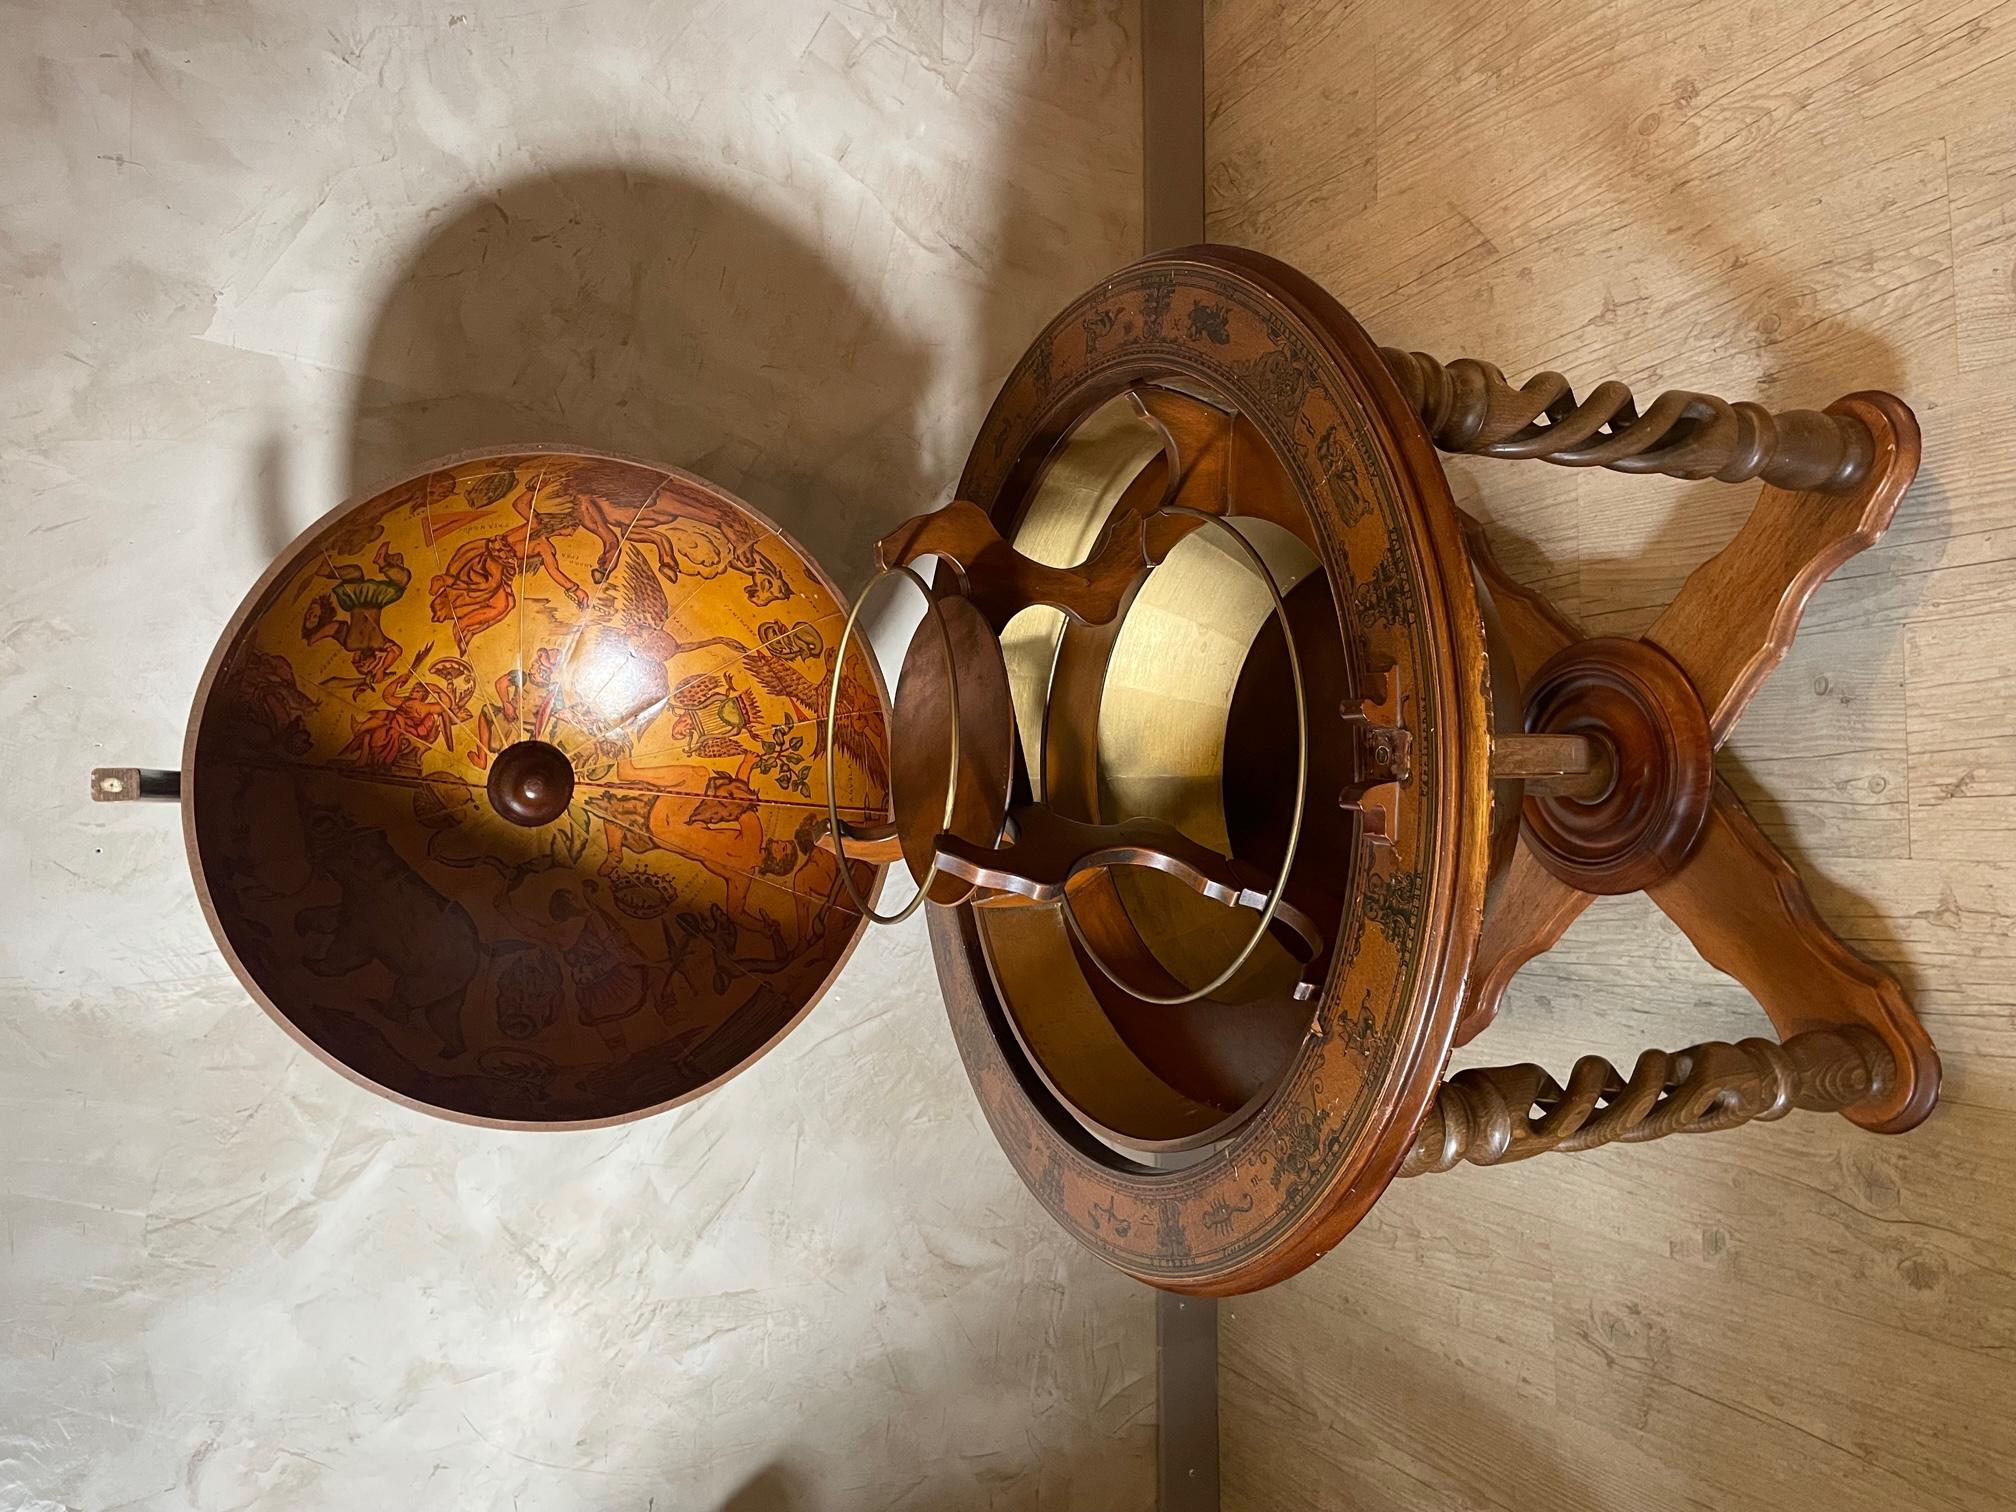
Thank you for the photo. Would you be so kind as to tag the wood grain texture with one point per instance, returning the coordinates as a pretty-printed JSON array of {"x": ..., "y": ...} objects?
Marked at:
[
  {"x": 1748, "y": 913},
  {"x": 1492, "y": 1114},
  {"x": 1529, "y": 907},
  {"x": 1734, "y": 619},
  {"x": 1786, "y": 204}
]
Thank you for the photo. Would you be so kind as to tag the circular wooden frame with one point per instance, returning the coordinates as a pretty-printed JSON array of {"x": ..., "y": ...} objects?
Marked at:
[{"x": 1309, "y": 1162}]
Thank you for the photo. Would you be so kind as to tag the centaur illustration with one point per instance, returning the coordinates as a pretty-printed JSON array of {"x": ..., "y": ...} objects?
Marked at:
[{"x": 714, "y": 819}]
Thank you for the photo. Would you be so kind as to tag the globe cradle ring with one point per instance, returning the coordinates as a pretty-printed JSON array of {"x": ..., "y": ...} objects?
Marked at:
[
  {"x": 832, "y": 730},
  {"x": 1273, "y": 903}
]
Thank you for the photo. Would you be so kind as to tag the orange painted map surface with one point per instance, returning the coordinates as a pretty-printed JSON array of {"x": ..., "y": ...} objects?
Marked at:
[{"x": 676, "y": 647}]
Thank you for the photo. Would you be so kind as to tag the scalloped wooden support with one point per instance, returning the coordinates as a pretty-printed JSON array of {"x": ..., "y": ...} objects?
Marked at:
[{"x": 1001, "y": 581}]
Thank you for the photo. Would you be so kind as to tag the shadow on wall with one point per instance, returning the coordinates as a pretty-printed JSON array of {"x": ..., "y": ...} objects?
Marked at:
[
  {"x": 774, "y": 1488},
  {"x": 647, "y": 313},
  {"x": 643, "y": 313}
]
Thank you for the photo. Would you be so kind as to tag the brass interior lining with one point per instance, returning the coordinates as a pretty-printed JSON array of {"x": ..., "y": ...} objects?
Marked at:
[
  {"x": 1076, "y": 496},
  {"x": 1160, "y": 726},
  {"x": 1161, "y": 751}
]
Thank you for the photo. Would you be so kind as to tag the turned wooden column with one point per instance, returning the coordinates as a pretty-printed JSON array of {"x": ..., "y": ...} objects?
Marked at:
[
  {"x": 1468, "y": 406},
  {"x": 1490, "y": 1115}
]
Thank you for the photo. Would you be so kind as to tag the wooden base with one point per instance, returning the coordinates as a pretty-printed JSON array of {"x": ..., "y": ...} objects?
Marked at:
[{"x": 1672, "y": 829}]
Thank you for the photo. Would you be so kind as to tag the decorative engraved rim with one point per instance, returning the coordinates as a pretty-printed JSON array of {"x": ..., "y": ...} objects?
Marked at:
[{"x": 1308, "y": 1163}]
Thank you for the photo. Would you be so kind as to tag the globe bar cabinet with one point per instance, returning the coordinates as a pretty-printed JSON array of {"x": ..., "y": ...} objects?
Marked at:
[{"x": 549, "y": 789}]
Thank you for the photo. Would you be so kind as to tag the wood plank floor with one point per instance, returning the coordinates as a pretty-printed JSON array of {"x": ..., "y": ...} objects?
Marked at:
[{"x": 1784, "y": 202}]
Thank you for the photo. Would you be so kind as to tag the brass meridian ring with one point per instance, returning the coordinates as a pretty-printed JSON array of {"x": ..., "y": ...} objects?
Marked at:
[
  {"x": 832, "y": 731},
  {"x": 1274, "y": 897}
]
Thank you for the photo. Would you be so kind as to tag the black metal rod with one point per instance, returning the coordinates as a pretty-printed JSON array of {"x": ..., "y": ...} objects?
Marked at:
[{"x": 136, "y": 785}]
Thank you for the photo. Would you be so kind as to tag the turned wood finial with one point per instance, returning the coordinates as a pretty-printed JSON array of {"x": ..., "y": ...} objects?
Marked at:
[
  {"x": 1637, "y": 829},
  {"x": 1469, "y": 406}
]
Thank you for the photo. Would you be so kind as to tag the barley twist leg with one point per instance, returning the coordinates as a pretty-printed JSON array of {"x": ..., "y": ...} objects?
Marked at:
[
  {"x": 1468, "y": 406},
  {"x": 1501, "y": 1113}
]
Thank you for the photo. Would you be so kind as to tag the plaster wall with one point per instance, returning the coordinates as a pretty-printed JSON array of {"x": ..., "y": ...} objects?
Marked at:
[{"x": 256, "y": 256}]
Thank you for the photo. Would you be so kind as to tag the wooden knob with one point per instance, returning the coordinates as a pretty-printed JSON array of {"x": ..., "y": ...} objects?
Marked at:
[{"x": 531, "y": 783}]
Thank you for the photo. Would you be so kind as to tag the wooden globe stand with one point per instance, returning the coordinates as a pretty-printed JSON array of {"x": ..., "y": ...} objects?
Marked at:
[
  {"x": 1481, "y": 813},
  {"x": 1666, "y": 825},
  {"x": 1617, "y": 764},
  {"x": 1240, "y": 778}
]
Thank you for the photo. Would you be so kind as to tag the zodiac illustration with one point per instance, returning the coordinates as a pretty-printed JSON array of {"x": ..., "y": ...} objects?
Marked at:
[
  {"x": 798, "y": 642},
  {"x": 1340, "y": 471},
  {"x": 479, "y": 588},
  {"x": 417, "y": 712},
  {"x": 642, "y": 895},
  {"x": 713, "y": 934},
  {"x": 722, "y": 831},
  {"x": 575, "y": 947},
  {"x": 1208, "y": 322},
  {"x": 388, "y": 913},
  {"x": 1121, "y": 1227},
  {"x": 609, "y": 984},
  {"x": 857, "y": 729},
  {"x": 528, "y": 988},
  {"x": 513, "y": 710},
  {"x": 1219, "y": 1217},
  {"x": 525, "y": 703},
  {"x": 348, "y": 613},
  {"x": 265, "y": 698},
  {"x": 714, "y": 716},
  {"x": 1360, "y": 1030},
  {"x": 687, "y": 537},
  {"x": 628, "y": 651}
]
